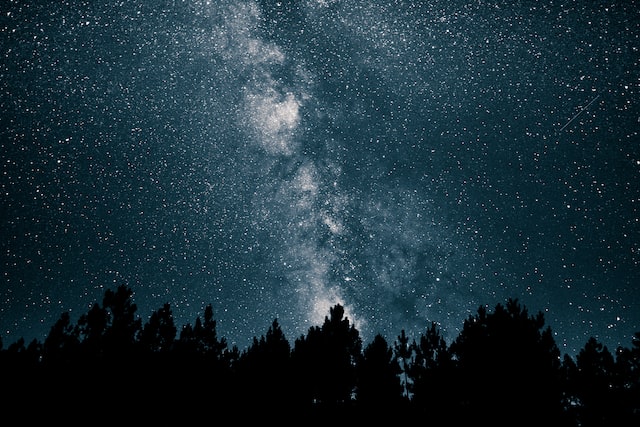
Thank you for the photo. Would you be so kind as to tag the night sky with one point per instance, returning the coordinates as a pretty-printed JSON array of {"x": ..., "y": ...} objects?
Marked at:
[{"x": 409, "y": 160}]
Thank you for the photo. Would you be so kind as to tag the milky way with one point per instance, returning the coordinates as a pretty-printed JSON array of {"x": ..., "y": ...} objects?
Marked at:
[{"x": 409, "y": 161}]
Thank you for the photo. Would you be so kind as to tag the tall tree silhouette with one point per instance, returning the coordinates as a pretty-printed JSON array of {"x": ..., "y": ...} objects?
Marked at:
[
  {"x": 378, "y": 385},
  {"x": 157, "y": 368},
  {"x": 61, "y": 345},
  {"x": 264, "y": 371},
  {"x": 404, "y": 351},
  {"x": 595, "y": 385},
  {"x": 159, "y": 332},
  {"x": 508, "y": 363},
  {"x": 200, "y": 356},
  {"x": 111, "y": 328},
  {"x": 92, "y": 327},
  {"x": 108, "y": 342},
  {"x": 432, "y": 373},
  {"x": 120, "y": 336},
  {"x": 325, "y": 361},
  {"x": 628, "y": 381},
  {"x": 568, "y": 396},
  {"x": 201, "y": 340}
]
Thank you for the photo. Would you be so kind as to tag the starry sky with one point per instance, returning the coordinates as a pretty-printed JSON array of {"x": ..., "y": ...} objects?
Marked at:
[{"x": 409, "y": 160}]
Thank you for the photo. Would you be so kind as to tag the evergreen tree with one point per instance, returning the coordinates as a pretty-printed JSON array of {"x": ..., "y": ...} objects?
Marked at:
[
  {"x": 569, "y": 397},
  {"x": 507, "y": 362},
  {"x": 626, "y": 383},
  {"x": 432, "y": 373},
  {"x": 92, "y": 327},
  {"x": 208, "y": 334},
  {"x": 594, "y": 384},
  {"x": 159, "y": 333},
  {"x": 264, "y": 371},
  {"x": 200, "y": 357},
  {"x": 378, "y": 385},
  {"x": 201, "y": 340},
  {"x": 404, "y": 352},
  {"x": 61, "y": 344},
  {"x": 325, "y": 361},
  {"x": 123, "y": 326}
]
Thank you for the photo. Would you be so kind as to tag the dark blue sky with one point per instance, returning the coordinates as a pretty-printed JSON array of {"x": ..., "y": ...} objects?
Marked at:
[{"x": 410, "y": 161}]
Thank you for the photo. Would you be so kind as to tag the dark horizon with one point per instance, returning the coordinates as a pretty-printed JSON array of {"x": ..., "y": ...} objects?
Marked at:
[
  {"x": 504, "y": 366},
  {"x": 143, "y": 320}
]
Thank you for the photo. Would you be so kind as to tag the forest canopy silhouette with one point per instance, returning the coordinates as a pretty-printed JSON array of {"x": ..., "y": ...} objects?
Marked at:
[{"x": 503, "y": 367}]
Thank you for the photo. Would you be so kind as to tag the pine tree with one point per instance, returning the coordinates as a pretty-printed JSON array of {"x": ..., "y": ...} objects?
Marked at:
[{"x": 378, "y": 385}]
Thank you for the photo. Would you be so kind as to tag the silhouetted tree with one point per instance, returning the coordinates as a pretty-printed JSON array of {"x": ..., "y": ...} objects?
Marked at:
[
  {"x": 569, "y": 398},
  {"x": 60, "y": 347},
  {"x": 112, "y": 328},
  {"x": 628, "y": 367},
  {"x": 507, "y": 362},
  {"x": 159, "y": 332},
  {"x": 92, "y": 327},
  {"x": 378, "y": 384},
  {"x": 626, "y": 383},
  {"x": 200, "y": 356},
  {"x": 503, "y": 369},
  {"x": 404, "y": 352},
  {"x": 123, "y": 326},
  {"x": 325, "y": 361},
  {"x": 153, "y": 365},
  {"x": 201, "y": 340},
  {"x": 594, "y": 385},
  {"x": 107, "y": 349},
  {"x": 264, "y": 371},
  {"x": 432, "y": 373}
]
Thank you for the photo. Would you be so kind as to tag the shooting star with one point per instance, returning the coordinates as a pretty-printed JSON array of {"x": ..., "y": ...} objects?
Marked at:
[{"x": 578, "y": 113}]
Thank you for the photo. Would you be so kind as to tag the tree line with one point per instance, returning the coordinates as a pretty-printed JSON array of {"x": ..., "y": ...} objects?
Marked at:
[{"x": 504, "y": 368}]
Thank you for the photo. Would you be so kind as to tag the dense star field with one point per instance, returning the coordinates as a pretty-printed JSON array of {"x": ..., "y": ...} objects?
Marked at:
[{"x": 409, "y": 160}]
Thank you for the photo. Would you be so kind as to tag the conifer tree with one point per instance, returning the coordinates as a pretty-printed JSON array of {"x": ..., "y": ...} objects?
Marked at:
[
  {"x": 404, "y": 352},
  {"x": 379, "y": 372}
]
